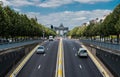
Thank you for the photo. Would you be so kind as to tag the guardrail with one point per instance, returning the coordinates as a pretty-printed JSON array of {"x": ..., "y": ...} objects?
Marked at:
[
  {"x": 5, "y": 47},
  {"x": 103, "y": 44}
]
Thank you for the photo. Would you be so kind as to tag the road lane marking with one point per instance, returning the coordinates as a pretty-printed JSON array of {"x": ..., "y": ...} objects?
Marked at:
[
  {"x": 63, "y": 62},
  {"x": 60, "y": 63},
  {"x": 47, "y": 48},
  {"x": 73, "y": 49},
  {"x": 44, "y": 54},
  {"x": 39, "y": 66},
  {"x": 76, "y": 54},
  {"x": 80, "y": 66}
]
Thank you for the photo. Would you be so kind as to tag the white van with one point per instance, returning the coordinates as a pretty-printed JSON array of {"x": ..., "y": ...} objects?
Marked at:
[{"x": 50, "y": 38}]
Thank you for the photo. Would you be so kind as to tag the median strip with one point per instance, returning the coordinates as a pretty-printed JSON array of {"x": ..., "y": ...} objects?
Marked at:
[{"x": 60, "y": 61}]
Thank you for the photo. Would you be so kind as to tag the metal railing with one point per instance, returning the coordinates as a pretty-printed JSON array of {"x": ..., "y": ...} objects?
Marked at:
[{"x": 102, "y": 44}]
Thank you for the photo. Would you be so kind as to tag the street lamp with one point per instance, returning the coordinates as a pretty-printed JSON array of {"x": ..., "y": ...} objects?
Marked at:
[{"x": 43, "y": 34}]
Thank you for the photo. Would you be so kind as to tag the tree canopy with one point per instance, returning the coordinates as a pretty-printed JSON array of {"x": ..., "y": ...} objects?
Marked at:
[
  {"x": 109, "y": 26},
  {"x": 13, "y": 24}
]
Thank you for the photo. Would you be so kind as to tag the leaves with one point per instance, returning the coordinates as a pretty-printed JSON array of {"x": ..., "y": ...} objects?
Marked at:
[
  {"x": 110, "y": 26},
  {"x": 13, "y": 24}
]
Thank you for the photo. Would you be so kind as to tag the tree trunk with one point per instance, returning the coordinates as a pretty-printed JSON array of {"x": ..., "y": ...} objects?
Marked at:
[
  {"x": 117, "y": 38},
  {"x": 100, "y": 38}
]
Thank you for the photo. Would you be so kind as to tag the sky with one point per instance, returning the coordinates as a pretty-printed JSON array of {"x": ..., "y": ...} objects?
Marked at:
[{"x": 70, "y": 13}]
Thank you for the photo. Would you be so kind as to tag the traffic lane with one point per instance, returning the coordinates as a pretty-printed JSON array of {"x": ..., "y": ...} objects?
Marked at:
[
  {"x": 87, "y": 63},
  {"x": 49, "y": 66},
  {"x": 76, "y": 66},
  {"x": 7, "y": 46},
  {"x": 40, "y": 64},
  {"x": 31, "y": 64}
]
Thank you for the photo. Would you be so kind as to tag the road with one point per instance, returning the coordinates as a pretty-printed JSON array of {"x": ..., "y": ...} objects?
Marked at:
[
  {"x": 76, "y": 66},
  {"x": 44, "y": 65}
]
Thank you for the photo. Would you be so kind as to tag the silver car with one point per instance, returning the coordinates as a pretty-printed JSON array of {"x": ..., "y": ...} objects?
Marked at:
[
  {"x": 82, "y": 52},
  {"x": 40, "y": 49}
]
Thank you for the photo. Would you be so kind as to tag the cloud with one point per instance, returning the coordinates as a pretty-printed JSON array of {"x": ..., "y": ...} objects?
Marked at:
[
  {"x": 17, "y": 3},
  {"x": 56, "y": 3},
  {"x": 47, "y": 3},
  {"x": 16, "y": 9},
  {"x": 5, "y": 2},
  {"x": 68, "y": 18},
  {"x": 91, "y": 1}
]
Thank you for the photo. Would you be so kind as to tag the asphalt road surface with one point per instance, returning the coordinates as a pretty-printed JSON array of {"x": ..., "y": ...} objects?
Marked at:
[
  {"x": 44, "y": 65},
  {"x": 76, "y": 66}
]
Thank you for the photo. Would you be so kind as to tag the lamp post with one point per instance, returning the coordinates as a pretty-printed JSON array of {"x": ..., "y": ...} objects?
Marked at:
[{"x": 43, "y": 34}]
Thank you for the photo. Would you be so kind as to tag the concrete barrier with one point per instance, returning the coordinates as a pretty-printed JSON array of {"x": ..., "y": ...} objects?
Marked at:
[
  {"x": 108, "y": 57},
  {"x": 10, "y": 57}
]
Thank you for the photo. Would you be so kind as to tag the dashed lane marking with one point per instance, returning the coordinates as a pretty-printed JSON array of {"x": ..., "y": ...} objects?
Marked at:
[
  {"x": 44, "y": 55},
  {"x": 73, "y": 48},
  {"x": 80, "y": 66},
  {"x": 76, "y": 54},
  {"x": 39, "y": 66}
]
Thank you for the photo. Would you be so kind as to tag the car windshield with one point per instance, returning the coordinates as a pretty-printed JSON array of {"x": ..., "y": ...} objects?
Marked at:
[
  {"x": 83, "y": 51},
  {"x": 40, "y": 47}
]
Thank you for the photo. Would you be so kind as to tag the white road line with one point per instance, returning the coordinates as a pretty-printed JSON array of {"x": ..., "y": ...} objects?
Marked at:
[
  {"x": 75, "y": 54},
  {"x": 80, "y": 66},
  {"x": 73, "y": 48},
  {"x": 47, "y": 48},
  {"x": 39, "y": 66},
  {"x": 44, "y": 55}
]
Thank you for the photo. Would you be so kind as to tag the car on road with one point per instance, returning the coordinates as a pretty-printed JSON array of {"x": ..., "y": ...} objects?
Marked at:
[
  {"x": 40, "y": 49},
  {"x": 82, "y": 52},
  {"x": 50, "y": 38}
]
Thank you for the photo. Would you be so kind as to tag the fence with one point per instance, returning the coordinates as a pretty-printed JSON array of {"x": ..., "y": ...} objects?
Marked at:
[{"x": 103, "y": 44}]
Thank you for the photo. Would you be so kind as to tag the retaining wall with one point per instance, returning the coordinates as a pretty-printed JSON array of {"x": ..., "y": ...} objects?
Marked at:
[
  {"x": 10, "y": 57},
  {"x": 110, "y": 59}
]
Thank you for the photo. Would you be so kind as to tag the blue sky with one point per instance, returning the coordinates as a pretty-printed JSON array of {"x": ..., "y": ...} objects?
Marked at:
[{"x": 69, "y": 12}]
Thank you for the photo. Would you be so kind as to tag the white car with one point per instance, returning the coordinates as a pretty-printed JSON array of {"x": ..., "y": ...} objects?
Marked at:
[
  {"x": 82, "y": 52},
  {"x": 40, "y": 49}
]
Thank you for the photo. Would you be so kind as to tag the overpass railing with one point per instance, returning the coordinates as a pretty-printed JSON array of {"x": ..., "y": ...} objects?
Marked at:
[{"x": 107, "y": 45}]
